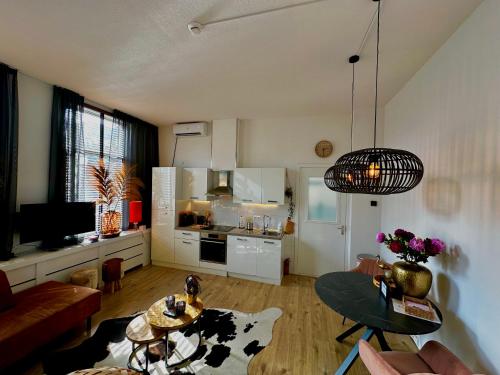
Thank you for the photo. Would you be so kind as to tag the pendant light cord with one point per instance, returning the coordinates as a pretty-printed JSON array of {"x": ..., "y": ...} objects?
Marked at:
[
  {"x": 376, "y": 76},
  {"x": 352, "y": 103}
]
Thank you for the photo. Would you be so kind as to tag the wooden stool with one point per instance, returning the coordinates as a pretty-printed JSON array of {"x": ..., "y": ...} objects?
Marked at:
[
  {"x": 112, "y": 274},
  {"x": 85, "y": 277}
]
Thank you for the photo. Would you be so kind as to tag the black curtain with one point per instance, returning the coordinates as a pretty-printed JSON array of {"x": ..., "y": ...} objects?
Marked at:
[
  {"x": 141, "y": 150},
  {"x": 66, "y": 128},
  {"x": 8, "y": 157}
]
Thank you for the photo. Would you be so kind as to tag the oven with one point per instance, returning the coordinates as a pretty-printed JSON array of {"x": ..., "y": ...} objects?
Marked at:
[{"x": 213, "y": 247}]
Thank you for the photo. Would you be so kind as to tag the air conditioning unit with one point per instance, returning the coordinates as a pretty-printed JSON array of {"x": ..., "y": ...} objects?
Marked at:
[{"x": 187, "y": 129}]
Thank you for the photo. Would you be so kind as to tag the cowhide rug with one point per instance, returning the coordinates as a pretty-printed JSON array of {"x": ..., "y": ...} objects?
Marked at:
[{"x": 230, "y": 339}]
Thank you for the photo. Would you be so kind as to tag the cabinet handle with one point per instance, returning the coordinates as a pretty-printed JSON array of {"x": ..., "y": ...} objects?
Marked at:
[
  {"x": 269, "y": 201},
  {"x": 269, "y": 242},
  {"x": 194, "y": 197},
  {"x": 186, "y": 234},
  {"x": 241, "y": 239},
  {"x": 186, "y": 242},
  {"x": 247, "y": 200}
]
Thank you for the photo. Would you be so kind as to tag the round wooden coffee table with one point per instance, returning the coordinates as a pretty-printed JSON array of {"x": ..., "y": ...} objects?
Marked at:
[
  {"x": 158, "y": 321},
  {"x": 141, "y": 334}
]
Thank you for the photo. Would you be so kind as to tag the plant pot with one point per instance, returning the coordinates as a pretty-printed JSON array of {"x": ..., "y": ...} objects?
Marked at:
[
  {"x": 413, "y": 279},
  {"x": 289, "y": 226},
  {"x": 111, "y": 224},
  {"x": 190, "y": 298}
]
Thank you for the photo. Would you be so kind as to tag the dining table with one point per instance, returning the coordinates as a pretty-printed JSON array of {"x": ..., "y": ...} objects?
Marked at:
[{"x": 354, "y": 295}]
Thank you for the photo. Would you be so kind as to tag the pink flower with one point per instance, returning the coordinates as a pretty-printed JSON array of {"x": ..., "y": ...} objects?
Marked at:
[
  {"x": 380, "y": 238},
  {"x": 437, "y": 246},
  {"x": 417, "y": 244}
]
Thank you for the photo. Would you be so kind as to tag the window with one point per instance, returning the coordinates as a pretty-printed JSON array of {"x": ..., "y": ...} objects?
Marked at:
[
  {"x": 97, "y": 137},
  {"x": 322, "y": 201}
]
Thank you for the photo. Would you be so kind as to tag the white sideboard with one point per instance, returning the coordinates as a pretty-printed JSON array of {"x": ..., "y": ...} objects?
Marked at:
[{"x": 32, "y": 266}]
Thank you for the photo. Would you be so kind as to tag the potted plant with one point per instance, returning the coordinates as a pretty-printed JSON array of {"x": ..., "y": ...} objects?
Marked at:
[
  {"x": 122, "y": 185},
  {"x": 192, "y": 288},
  {"x": 413, "y": 279},
  {"x": 290, "y": 225}
]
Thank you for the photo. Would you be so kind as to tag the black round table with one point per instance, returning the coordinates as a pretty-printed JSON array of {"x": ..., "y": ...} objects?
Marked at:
[{"x": 354, "y": 296}]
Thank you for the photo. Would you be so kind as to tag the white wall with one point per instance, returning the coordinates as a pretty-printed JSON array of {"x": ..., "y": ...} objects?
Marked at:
[
  {"x": 289, "y": 142},
  {"x": 35, "y": 107},
  {"x": 449, "y": 115}
]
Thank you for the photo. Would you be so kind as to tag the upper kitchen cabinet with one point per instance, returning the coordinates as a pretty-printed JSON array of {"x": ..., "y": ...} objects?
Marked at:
[
  {"x": 273, "y": 185},
  {"x": 196, "y": 182},
  {"x": 166, "y": 187},
  {"x": 259, "y": 185},
  {"x": 224, "y": 144},
  {"x": 247, "y": 185}
]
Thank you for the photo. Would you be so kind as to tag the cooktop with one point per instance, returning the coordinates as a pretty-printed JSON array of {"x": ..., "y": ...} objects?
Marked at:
[{"x": 218, "y": 228}]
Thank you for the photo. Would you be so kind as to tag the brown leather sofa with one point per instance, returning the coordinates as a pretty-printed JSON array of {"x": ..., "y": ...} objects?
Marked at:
[{"x": 35, "y": 316}]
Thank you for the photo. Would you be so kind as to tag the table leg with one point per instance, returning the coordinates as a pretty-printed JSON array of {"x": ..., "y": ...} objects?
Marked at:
[
  {"x": 349, "y": 332},
  {"x": 354, "y": 353},
  {"x": 381, "y": 339}
]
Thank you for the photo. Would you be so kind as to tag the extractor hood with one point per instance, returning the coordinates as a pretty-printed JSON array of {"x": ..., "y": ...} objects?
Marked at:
[{"x": 222, "y": 184}]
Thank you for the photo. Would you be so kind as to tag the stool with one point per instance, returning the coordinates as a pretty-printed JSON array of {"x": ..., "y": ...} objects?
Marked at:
[
  {"x": 85, "y": 277},
  {"x": 112, "y": 274}
]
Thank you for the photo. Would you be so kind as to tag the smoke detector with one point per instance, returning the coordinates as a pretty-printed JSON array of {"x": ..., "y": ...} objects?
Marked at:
[{"x": 195, "y": 27}]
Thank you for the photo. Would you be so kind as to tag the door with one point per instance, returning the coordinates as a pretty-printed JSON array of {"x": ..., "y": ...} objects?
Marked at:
[
  {"x": 247, "y": 185},
  {"x": 321, "y": 222},
  {"x": 187, "y": 252},
  {"x": 242, "y": 255},
  {"x": 273, "y": 185},
  {"x": 163, "y": 191},
  {"x": 269, "y": 258},
  {"x": 162, "y": 235},
  {"x": 195, "y": 183}
]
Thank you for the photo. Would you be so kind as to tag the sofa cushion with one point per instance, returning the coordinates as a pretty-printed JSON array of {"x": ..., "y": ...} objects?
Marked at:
[
  {"x": 6, "y": 297},
  {"x": 406, "y": 363}
]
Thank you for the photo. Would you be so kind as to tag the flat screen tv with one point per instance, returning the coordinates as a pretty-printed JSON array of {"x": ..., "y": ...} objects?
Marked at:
[{"x": 55, "y": 225}]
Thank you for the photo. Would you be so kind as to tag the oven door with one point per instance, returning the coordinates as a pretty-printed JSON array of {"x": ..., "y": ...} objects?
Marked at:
[{"x": 213, "y": 250}]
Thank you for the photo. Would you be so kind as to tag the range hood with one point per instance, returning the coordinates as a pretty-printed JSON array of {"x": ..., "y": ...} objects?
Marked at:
[{"x": 222, "y": 184}]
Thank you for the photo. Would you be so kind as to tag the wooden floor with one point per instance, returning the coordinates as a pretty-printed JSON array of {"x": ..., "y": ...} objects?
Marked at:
[{"x": 303, "y": 338}]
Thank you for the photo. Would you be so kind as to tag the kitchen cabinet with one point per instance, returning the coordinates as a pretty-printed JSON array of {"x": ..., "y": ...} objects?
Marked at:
[
  {"x": 273, "y": 185},
  {"x": 269, "y": 258},
  {"x": 242, "y": 255},
  {"x": 187, "y": 252},
  {"x": 162, "y": 235},
  {"x": 166, "y": 187},
  {"x": 247, "y": 185},
  {"x": 195, "y": 183}
]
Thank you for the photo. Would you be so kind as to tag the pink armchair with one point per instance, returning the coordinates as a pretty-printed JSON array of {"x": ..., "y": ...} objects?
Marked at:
[{"x": 434, "y": 358}]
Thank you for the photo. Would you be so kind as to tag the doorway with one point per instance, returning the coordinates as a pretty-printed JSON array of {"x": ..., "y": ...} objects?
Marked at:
[{"x": 321, "y": 221}]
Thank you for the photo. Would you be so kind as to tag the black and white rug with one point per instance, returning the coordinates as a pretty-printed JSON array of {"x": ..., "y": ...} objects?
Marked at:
[{"x": 230, "y": 339}]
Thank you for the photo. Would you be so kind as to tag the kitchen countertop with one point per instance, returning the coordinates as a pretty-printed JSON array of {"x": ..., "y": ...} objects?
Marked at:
[{"x": 234, "y": 232}]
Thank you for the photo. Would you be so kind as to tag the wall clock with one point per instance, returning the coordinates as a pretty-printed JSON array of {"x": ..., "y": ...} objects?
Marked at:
[{"x": 324, "y": 148}]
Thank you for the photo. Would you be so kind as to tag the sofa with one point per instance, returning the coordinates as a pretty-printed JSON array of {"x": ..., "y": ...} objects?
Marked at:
[{"x": 36, "y": 316}]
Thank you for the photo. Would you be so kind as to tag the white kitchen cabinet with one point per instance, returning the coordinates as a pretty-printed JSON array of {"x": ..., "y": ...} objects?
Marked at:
[
  {"x": 242, "y": 255},
  {"x": 269, "y": 258},
  {"x": 166, "y": 187},
  {"x": 187, "y": 252},
  {"x": 162, "y": 235},
  {"x": 195, "y": 183},
  {"x": 273, "y": 185},
  {"x": 224, "y": 144},
  {"x": 247, "y": 185}
]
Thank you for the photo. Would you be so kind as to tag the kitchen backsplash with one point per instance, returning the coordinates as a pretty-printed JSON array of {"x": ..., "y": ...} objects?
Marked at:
[{"x": 225, "y": 212}]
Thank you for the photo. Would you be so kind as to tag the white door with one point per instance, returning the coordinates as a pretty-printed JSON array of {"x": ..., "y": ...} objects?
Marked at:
[
  {"x": 321, "y": 232},
  {"x": 163, "y": 191},
  {"x": 269, "y": 258},
  {"x": 242, "y": 255},
  {"x": 247, "y": 185},
  {"x": 273, "y": 185},
  {"x": 162, "y": 235},
  {"x": 195, "y": 183}
]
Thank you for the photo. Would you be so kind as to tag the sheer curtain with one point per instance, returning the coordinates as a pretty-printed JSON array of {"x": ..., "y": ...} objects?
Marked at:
[
  {"x": 8, "y": 157},
  {"x": 141, "y": 150},
  {"x": 65, "y": 139}
]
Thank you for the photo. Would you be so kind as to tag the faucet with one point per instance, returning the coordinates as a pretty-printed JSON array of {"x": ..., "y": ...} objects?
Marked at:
[{"x": 266, "y": 222}]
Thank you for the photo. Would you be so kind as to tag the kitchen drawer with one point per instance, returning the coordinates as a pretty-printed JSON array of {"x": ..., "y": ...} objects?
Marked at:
[
  {"x": 21, "y": 275},
  {"x": 187, "y": 252},
  {"x": 121, "y": 244},
  {"x": 187, "y": 235},
  {"x": 242, "y": 241},
  {"x": 269, "y": 243}
]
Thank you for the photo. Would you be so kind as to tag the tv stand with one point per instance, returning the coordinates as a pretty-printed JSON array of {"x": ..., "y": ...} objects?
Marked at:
[{"x": 57, "y": 244}]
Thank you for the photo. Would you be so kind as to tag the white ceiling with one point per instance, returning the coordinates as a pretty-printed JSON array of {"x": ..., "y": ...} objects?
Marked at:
[{"x": 139, "y": 57}]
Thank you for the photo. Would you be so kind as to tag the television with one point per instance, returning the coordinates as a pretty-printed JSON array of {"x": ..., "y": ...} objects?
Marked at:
[{"x": 56, "y": 225}]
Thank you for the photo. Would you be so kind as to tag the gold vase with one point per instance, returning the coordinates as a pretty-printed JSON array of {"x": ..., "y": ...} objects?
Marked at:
[{"x": 413, "y": 279}]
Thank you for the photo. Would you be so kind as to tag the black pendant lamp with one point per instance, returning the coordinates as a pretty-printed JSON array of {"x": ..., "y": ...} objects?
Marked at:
[{"x": 379, "y": 171}]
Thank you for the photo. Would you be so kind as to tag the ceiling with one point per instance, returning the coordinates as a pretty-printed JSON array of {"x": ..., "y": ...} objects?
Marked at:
[{"x": 139, "y": 56}]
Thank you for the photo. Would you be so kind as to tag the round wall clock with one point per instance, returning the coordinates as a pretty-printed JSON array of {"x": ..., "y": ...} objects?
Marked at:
[{"x": 324, "y": 148}]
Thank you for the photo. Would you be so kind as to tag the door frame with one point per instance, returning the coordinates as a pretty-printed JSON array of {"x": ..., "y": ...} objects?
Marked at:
[{"x": 298, "y": 188}]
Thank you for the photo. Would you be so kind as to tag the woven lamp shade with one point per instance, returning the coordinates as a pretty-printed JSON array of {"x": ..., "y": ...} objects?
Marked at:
[{"x": 379, "y": 171}]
